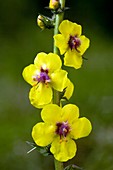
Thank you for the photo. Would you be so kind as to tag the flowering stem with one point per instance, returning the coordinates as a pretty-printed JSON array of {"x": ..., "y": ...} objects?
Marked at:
[
  {"x": 58, "y": 165},
  {"x": 56, "y": 100},
  {"x": 58, "y": 20}
]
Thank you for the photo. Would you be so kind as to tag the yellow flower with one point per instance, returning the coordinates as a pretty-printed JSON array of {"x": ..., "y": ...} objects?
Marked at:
[
  {"x": 44, "y": 75},
  {"x": 60, "y": 128},
  {"x": 71, "y": 43}
]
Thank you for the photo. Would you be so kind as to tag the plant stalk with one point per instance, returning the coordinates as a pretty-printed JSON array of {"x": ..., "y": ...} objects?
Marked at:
[
  {"x": 58, "y": 19},
  {"x": 56, "y": 100},
  {"x": 58, "y": 165}
]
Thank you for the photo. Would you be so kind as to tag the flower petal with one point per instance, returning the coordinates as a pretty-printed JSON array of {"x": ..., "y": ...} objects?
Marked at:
[
  {"x": 70, "y": 113},
  {"x": 51, "y": 61},
  {"x": 69, "y": 28},
  {"x": 54, "y": 62},
  {"x": 73, "y": 59},
  {"x": 84, "y": 44},
  {"x": 81, "y": 128},
  {"x": 69, "y": 89},
  {"x": 28, "y": 73},
  {"x": 77, "y": 30},
  {"x": 61, "y": 42},
  {"x": 59, "y": 79},
  {"x": 51, "y": 114},
  {"x": 40, "y": 95},
  {"x": 40, "y": 60},
  {"x": 43, "y": 134},
  {"x": 63, "y": 151}
]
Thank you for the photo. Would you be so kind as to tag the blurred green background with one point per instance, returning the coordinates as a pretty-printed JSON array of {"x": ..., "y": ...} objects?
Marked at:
[{"x": 20, "y": 41}]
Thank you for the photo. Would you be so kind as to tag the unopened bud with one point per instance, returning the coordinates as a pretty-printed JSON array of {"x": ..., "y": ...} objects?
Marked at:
[
  {"x": 40, "y": 22},
  {"x": 44, "y": 22},
  {"x": 54, "y": 4}
]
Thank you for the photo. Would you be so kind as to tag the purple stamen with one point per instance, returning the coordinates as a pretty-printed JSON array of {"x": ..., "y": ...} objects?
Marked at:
[
  {"x": 62, "y": 129},
  {"x": 74, "y": 42},
  {"x": 42, "y": 76}
]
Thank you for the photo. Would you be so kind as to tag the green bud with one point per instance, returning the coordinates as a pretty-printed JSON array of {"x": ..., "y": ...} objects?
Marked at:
[{"x": 45, "y": 22}]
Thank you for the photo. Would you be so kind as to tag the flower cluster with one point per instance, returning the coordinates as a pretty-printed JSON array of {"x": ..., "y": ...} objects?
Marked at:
[{"x": 61, "y": 126}]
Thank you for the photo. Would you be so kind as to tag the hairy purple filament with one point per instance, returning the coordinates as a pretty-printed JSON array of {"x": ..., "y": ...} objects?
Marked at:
[
  {"x": 62, "y": 129},
  {"x": 42, "y": 76},
  {"x": 74, "y": 42}
]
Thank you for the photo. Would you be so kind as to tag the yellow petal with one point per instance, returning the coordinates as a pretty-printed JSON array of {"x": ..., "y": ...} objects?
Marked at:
[
  {"x": 70, "y": 113},
  {"x": 61, "y": 42},
  {"x": 54, "y": 62},
  {"x": 84, "y": 44},
  {"x": 49, "y": 61},
  {"x": 63, "y": 151},
  {"x": 73, "y": 59},
  {"x": 43, "y": 134},
  {"x": 40, "y": 60},
  {"x": 28, "y": 74},
  {"x": 81, "y": 128},
  {"x": 59, "y": 79},
  {"x": 69, "y": 89},
  {"x": 40, "y": 95},
  {"x": 77, "y": 30},
  {"x": 69, "y": 28},
  {"x": 51, "y": 114}
]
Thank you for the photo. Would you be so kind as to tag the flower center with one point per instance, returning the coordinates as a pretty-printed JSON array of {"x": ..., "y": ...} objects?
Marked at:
[
  {"x": 42, "y": 76},
  {"x": 63, "y": 129},
  {"x": 74, "y": 42}
]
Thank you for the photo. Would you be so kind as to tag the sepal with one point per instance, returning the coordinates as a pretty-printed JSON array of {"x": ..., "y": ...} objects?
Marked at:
[
  {"x": 73, "y": 167},
  {"x": 45, "y": 151},
  {"x": 84, "y": 58},
  {"x": 62, "y": 94},
  {"x": 59, "y": 10}
]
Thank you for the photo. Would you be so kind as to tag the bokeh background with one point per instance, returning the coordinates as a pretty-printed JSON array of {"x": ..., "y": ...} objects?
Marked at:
[{"x": 20, "y": 41}]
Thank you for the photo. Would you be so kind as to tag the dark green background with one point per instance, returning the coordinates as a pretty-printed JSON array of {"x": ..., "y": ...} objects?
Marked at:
[{"x": 20, "y": 41}]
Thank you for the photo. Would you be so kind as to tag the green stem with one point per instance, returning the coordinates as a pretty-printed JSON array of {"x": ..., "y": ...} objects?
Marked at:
[
  {"x": 57, "y": 23},
  {"x": 58, "y": 20},
  {"x": 56, "y": 100},
  {"x": 58, "y": 165}
]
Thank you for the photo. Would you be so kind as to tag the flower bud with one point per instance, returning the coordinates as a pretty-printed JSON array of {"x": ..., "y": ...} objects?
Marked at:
[
  {"x": 54, "y": 4},
  {"x": 45, "y": 22},
  {"x": 40, "y": 22}
]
